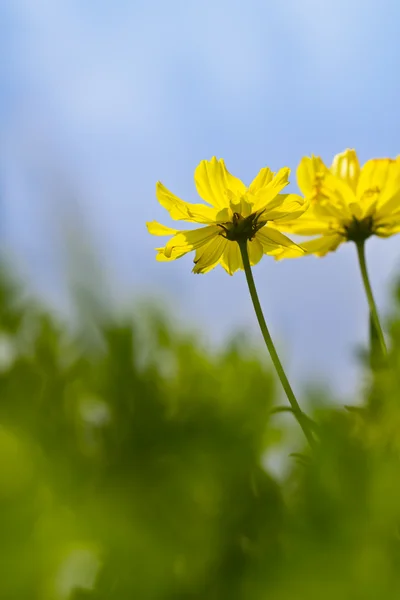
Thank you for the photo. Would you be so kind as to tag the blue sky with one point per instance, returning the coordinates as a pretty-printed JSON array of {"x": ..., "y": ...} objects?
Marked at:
[{"x": 102, "y": 99}]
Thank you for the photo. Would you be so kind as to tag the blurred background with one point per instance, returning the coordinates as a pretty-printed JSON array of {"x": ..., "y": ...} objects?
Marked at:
[{"x": 138, "y": 454}]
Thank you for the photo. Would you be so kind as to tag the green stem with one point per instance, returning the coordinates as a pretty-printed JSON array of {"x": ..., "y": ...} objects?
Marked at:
[
  {"x": 298, "y": 413},
  {"x": 370, "y": 296}
]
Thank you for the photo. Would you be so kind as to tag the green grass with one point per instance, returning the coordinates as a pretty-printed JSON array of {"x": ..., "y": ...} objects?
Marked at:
[{"x": 132, "y": 467}]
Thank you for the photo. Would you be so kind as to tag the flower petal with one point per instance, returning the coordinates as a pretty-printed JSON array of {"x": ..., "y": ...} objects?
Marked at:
[
  {"x": 264, "y": 177},
  {"x": 390, "y": 208},
  {"x": 336, "y": 192},
  {"x": 207, "y": 256},
  {"x": 331, "y": 205},
  {"x": 346, "y": 166},
  {"x": 288, "y": 207},
  {"x": 324, "y": 188},
  {"x": 323, "y": 245},
  {"x": 231, "y": 259},
  {"x": 255, "y": 250},
  {"x": 183, "y": 211},
  {"x": 156, "y": 228},
  {"x": 375, "y": 175},
  {"x": 379, "y": 187},
  {"x": 184, "y": 241},
  {"x": 310, "y": 223},
  {"x": 269, "y": 236},
  {"x": 310, "y": 169},
  {"x": 389, "y": 228},
  {"x": 213, "y": 180},
  {"x": 265, "y": 197},
  {"x": 160, "y": 256}
]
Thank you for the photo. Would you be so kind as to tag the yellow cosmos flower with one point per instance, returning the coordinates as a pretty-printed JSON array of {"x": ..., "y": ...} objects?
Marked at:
[
  {"x": 235, "y": 213},
  {"x": 347, "y": 202}
]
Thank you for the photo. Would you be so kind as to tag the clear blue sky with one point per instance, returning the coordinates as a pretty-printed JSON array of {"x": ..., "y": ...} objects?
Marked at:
[{"x": 101, "y": 99}]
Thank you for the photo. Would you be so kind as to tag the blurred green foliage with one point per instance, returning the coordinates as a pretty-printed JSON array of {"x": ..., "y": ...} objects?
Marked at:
[{"x": 136, "y": 466}]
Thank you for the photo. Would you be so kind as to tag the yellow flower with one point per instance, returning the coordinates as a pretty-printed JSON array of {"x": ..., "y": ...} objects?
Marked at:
[
  {"x": 347, "y": 202},
  {"x": 235, "y": 213}
]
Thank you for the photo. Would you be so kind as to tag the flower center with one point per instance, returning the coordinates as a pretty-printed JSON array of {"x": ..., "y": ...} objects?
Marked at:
[
  {"x": 359, "y": 230},
  {"x": 241, "y": 228}
]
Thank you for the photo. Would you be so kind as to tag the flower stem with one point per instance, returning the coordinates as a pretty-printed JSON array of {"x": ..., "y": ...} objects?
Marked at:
[
  {"x": 298, "y": 413},
  {"x": 370, "y": 296}
]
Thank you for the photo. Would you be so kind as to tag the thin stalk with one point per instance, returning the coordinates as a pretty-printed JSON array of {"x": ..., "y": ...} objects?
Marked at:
[
  {"x": 370, "y": 297},
  {"x": 298, "y": 413}
]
